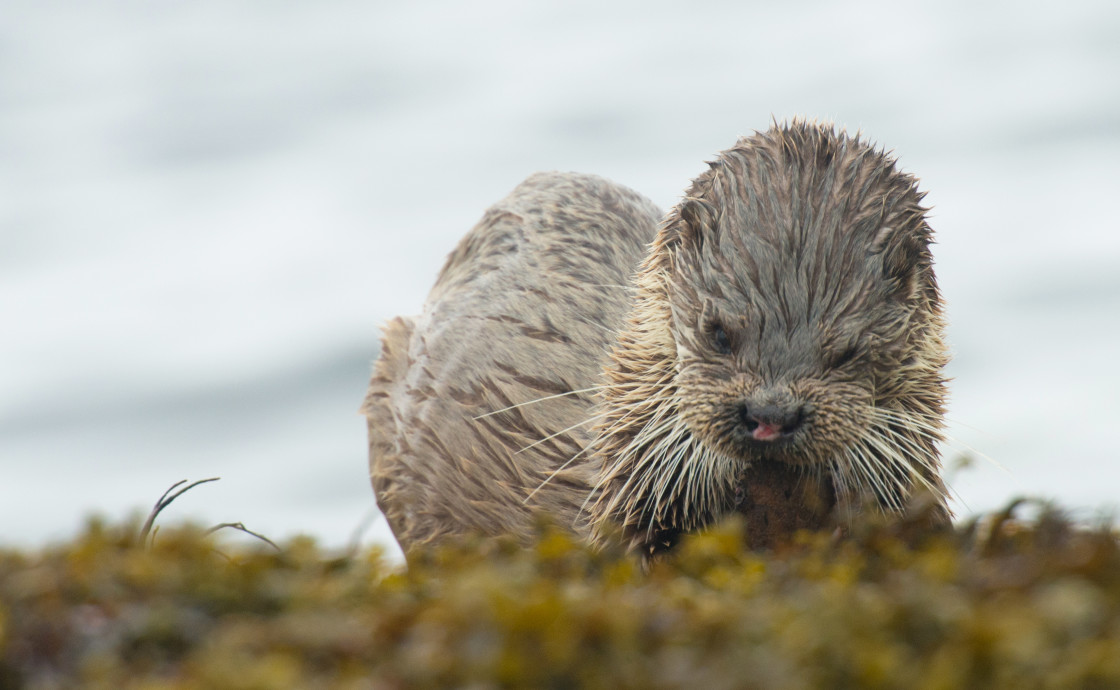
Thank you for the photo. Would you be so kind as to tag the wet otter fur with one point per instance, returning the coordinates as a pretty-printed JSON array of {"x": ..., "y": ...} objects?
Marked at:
[
  {"x": 787, "y": 319},
  {"x": 782, "y": 355},
  {"x": 525, "y": 309}
]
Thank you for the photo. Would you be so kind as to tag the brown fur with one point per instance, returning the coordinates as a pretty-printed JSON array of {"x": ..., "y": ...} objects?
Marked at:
[{"x": 794, "y": 280}]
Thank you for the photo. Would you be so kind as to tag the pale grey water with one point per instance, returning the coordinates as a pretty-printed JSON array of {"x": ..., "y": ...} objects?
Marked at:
[{"x": 208, "y": 208}]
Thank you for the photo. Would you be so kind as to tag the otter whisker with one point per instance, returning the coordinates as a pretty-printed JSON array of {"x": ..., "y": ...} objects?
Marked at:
[
  {"x": 718, "y": 480},
  {"x": 610, "y": 331},
  {"x": 702, "y": 472},
  {"x": 840, "y": 477},
  {"x": 653, "y": 429},
  {"x": 909, "y": 421},
  {"x": 659, "y": 421},
  {"x": 930, "y": 426},
  {"x": 567, "y": 463},
  {"x": 554, "y": 473},
  {"x": 577, "y": 425},
  {"x": 895, "y": 424},
  {"x": 914, "y": 454},
  {"x": 702, "y": 476},
  {"x": 659, "y": 504},
  {"x": 675, "y": 463},
  {"x": 657, "y": 462},
  {"x": 861, "y": 463},
  {"x": 628, "y": 288},
  {"x": 868, "y": 479},
  {"x": 624, "y": 420},
  {"x": 590, "y": 389}
]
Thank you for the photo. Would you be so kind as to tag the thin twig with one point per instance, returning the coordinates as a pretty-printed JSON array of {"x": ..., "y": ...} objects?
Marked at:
[
  {"x": 242, "y": 528},
  {"x": 165, "y": 500}
]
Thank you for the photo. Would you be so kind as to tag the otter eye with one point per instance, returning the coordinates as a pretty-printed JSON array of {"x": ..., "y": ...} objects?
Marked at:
[{"x": 719, "y": 338}]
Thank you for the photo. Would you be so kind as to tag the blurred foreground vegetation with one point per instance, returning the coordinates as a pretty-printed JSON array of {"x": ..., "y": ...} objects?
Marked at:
[{"x": 998, "y": 604}]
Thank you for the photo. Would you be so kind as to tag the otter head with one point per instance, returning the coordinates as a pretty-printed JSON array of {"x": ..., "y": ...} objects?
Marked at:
[{"x": 801, "y": 322}]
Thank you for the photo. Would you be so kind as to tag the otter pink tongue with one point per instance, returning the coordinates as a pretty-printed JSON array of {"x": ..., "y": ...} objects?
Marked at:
[{"x": 766, "y": 432}]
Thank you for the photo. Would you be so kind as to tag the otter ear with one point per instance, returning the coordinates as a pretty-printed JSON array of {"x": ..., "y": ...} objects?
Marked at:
[
  {"x": 698, "y": 221},
  {"x": 901, "y": 253}
]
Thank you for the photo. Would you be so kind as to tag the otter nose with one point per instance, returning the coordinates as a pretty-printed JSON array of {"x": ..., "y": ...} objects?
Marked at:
[{"x": 771, "y": 422}]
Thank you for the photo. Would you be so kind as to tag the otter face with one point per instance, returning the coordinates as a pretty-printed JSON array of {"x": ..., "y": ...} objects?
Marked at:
[
  {"x": 787, "y": 323},
  {"x": 804, "y": 313}
]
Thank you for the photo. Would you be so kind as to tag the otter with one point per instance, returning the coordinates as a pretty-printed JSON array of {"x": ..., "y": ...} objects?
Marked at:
[{"x": 777, "y": 350}]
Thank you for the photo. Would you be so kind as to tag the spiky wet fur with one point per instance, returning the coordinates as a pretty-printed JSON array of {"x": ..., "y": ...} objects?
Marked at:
[{"x": 811, "y": 249}]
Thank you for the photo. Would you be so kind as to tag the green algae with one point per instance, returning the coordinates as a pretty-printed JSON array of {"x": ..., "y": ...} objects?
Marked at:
[{"x": 1003, "y": 604}]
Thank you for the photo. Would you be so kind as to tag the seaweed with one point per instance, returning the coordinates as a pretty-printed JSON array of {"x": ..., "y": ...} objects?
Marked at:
[{"x": 1002, "y": 602}]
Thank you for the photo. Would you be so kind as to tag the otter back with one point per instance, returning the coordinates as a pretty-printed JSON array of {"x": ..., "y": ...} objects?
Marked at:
[{"x": 526, "y": 307}]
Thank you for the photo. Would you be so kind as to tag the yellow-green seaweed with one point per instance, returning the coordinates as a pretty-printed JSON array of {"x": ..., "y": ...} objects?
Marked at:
[{"x": 998, "y": 604}]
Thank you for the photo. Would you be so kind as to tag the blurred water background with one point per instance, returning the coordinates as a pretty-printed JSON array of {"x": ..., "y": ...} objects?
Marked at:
[{"x": 207, "y": 209}]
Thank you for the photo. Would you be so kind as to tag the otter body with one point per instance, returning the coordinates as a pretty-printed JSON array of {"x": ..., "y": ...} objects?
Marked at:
[
  {"x": 779, "y": 354},
  {"x": 526, "y": 307}
]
